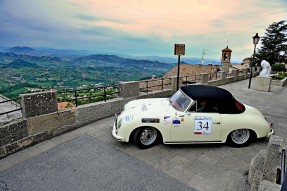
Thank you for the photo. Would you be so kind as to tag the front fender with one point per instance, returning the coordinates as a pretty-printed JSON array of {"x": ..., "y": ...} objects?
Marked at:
[{"x": 133, "y": 132}]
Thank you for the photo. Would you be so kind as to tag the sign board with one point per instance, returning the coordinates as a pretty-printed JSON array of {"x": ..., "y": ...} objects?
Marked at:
[
  {"x": 179, "y": 49},
  {"x": 203, "y": 125}
]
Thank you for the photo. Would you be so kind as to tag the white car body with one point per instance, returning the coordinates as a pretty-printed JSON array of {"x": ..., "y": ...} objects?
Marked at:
[{"x": 185, "y": 127}]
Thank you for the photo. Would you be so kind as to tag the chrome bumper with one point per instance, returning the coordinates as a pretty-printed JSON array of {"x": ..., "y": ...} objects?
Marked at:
[
  {"x": 272, "y": 132},
  {"x": 114, "y": 133}
]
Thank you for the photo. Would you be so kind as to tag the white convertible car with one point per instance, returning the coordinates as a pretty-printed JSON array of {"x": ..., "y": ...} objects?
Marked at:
[{"x": 194, "y": 114}]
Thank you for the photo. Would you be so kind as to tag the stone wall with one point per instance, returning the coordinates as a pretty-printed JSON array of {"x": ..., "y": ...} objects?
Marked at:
[
  {"x": 28, "y": 131},
  {"x": 263, "y": 167},
  {"x": 49, "y": 122},
  {"x": 92, "y": 112},
  {"x": 13, "y": 132},
  {"x": 38, "y": 103},
  {"x": 14, "y": 136},
  {"x": 280, "y": 83}
]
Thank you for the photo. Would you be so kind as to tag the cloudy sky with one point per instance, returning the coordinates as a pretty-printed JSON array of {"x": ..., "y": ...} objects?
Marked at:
[{"x": 139, "y": 27}]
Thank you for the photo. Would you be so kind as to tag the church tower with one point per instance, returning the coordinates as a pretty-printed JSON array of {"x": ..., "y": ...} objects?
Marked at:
[{"x": 225, "y": 59}]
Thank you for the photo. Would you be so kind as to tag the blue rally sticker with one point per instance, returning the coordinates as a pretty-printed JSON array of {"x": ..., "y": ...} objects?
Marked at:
[
  {"x": 176, "y": 121},
  {"x": 129, "y": 117},
  {"x": 166, "y": 120},
  {"x": 166, "y": 117}
]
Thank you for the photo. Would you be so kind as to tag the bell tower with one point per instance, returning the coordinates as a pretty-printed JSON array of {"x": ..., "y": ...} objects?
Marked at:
[{"x": 225, "y": 59}]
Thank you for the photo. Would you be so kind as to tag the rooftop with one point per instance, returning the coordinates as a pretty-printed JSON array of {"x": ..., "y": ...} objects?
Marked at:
[{"x": 191, "y": 70}]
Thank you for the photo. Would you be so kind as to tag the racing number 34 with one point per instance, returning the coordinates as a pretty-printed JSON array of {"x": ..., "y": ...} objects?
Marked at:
[{"x": 202, "y": 125}]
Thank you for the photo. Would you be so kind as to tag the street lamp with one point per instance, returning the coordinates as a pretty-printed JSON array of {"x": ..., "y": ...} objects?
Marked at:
[{"x": 256, "y": 39}]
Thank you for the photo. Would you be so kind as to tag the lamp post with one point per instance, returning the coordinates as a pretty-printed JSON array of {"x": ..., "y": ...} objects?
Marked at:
[{"x": 256, "y": 39}]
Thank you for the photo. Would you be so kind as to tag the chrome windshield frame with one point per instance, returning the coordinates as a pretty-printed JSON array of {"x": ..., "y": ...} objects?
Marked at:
[{"x": 180, "y": 101}]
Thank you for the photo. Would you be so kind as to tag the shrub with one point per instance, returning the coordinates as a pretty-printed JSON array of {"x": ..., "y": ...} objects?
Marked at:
[
  {"x": 280, "y": 76},
  {"x": 278, "y": 67}
]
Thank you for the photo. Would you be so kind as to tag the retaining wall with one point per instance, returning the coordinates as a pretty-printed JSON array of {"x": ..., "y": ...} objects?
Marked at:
[
  {"x": 263, "y": 167},
  {"x": 21, "y": 133},
  {"x": 280, "y": 83}
]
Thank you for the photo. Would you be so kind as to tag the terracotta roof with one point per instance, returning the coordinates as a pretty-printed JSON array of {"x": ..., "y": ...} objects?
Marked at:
[
  {"x": 185, "y": 70},
  {"x": 190, "y": 70},
  {"x": 63, "y": 105},
  {"x": 239, "y": 66}
]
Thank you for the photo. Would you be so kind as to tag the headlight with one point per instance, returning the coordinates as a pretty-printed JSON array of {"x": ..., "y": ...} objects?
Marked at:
[{"x": 119, "y": 123}]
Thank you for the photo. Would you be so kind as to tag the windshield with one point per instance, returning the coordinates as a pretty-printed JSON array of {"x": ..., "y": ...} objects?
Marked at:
[{"x": 180, "y": 101}]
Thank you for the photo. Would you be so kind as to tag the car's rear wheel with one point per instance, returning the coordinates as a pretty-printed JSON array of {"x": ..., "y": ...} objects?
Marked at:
[
  {"x": 145, "y": 137},
  {"x": 240, "y": 137}
]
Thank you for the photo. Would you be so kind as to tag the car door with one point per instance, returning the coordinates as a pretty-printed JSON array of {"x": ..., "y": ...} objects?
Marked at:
[{"x": 196, "y": 127}]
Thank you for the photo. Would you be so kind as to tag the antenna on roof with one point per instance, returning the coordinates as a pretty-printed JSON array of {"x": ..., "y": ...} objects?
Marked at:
[{"x": 202, "y": 58}]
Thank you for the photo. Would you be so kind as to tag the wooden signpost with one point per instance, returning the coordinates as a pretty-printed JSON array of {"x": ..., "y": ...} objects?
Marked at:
[{"x": 179, "y": 49}]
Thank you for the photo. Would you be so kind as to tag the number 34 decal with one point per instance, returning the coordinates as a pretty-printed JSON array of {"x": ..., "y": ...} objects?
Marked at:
[{"x": 202, "y": 125}]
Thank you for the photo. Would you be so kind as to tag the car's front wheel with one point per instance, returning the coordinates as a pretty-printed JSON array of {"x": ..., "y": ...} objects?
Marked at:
[
  {"x": 145, "y": 137},
  {"x": 240, "y": 137}
]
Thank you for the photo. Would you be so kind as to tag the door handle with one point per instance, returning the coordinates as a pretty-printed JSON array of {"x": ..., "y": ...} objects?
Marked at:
[{"x": 216, "y": 123}]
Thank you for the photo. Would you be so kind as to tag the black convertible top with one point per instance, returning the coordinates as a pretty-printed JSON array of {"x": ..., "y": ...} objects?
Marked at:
[{"x": 204, "y": 91}]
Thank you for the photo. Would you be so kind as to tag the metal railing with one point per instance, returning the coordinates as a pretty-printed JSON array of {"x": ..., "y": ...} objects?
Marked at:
[
  {"x": 228, "y": 75},
  {"x": 147, "y": 86},
  {"x": 190, "y": 79},
  {"x": 214, "y": 76},
  {"x": 88, "y": 95},
  {"x": 13, "y": 103}
]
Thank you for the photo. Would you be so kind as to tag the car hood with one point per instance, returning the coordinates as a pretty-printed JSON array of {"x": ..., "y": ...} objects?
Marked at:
[{"x": 152, "y": 105}]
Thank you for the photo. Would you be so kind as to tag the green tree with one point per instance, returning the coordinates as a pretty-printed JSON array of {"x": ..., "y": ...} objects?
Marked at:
[{"x": 274, "y": 43}]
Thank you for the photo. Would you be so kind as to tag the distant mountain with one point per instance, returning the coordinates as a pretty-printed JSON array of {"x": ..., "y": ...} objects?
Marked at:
[
  {"x": 97, "y": 58},
  {"x": 13, "y": 56},
  {"x": 18, "y": 63},
  {"x": 20, "y": 50},
  {"x": 71, "y": 54},
  {"x": 174, "y": 59},
  {"x": 103, "y": 60},
  {"x": 65, "y": 52}
]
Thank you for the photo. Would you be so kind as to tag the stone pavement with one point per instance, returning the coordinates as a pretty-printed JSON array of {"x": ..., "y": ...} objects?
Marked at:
[
  {"x": 8, "y": 106},
  {"x": 89, "y": 158},
  {"x": 86, "y": 163}
]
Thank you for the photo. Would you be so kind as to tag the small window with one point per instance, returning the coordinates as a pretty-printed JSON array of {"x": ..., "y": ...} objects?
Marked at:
[
  {"x": 231, "y": 106},
  {"x": 193, "y": 107},
  {"x": 239, "y": 106},
  {"x": 207, "y": 106}
]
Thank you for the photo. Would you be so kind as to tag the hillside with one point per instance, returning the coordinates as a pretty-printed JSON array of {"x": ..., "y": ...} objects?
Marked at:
[
  {"x": 101, "y": 60},
  {"x": 43, "y": 61},
  {"x": 19, "y": 63},
  {"x": 20, "y": 49},
  {"x": 52, "y": 72}
]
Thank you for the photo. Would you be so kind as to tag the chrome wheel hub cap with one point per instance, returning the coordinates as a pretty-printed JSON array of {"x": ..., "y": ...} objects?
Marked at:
[
  {"x": 148, "y": 136},
  {"x": 240, "y": 136}
]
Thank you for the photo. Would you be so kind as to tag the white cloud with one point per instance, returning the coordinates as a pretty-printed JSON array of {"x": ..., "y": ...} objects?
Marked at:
[{"x": 139, "y": 26}]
